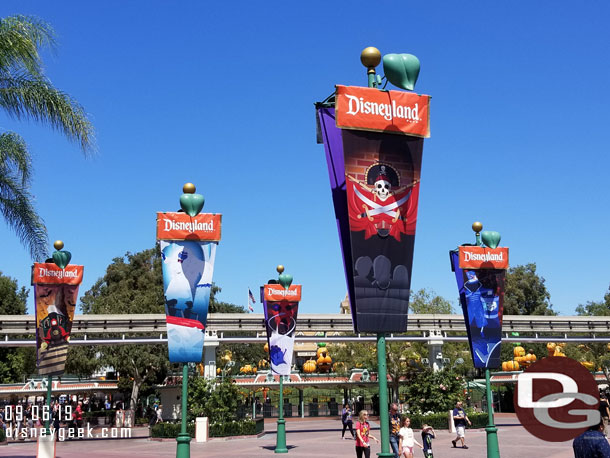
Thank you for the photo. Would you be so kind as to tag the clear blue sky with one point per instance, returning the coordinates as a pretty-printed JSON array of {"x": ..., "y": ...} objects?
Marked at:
[{"x": 222, "y": 93}]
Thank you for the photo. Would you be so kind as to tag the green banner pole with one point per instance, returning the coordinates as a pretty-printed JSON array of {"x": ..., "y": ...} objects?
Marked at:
[
  {"x": 183, "y": 450},
  {"x": 49, "y": 389},
  {"x": 384, "y": 414},
  {"x": 280, "y": 445},
  {"x": 493, "y": 449}
]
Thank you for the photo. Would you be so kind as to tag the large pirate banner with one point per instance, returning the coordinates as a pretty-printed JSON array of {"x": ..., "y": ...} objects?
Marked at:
[
  {"x": 281, "y": 306},
  {"x": 55, "y": 295},
  {"x": 188, "y": 250},
  {"x": 479, "y": 272},
  {"x": 375, "y": 178}
]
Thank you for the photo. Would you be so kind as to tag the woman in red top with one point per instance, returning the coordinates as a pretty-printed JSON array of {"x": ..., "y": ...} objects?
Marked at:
[{"x": 363, "y": 433}]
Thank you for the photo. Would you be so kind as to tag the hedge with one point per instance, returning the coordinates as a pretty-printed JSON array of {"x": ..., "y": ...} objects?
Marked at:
[
  {"x": 2, "y": 434},
  {"x": 440, "y": 420},
  {"x": 233, "y": 428}
]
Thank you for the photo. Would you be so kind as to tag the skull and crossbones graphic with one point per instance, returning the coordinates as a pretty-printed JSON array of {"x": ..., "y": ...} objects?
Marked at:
[{"x": 383, "y": 187}]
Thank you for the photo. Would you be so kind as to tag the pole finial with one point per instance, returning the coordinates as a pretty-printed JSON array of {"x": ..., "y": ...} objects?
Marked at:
[
  {"x": 370, "y": 58},
  {"x": 477, "y": 226},
  {"x": 189, "y": 188},
  {"x": 58, "y": 245},
  {"x": 280, "y": 269}
]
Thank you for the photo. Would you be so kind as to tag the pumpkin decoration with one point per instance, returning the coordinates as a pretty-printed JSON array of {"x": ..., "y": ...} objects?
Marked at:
[
  {"x": 550, "y": 347},
  {"x": 309, "y": 366},
  {"x": 510, "y": 366},
  {"x": 519, "y": 351},
  {"x": 588, "y": 364},
  {"x": 263, "y": 363},
  {"x": 247, "y": 369},
  {"x": 324, "y": 360},
  {"x": 266, "y": 348},
  {"x": 218, "y": 371}
]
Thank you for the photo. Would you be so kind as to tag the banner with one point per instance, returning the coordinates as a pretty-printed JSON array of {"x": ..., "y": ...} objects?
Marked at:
[
  {"x": 188, "y": 267},
  {"x": 365, "y": 108},
  {"x": 375, "y": 186},
  {"x": 55, "y": 295},
  {"x": 281, "y": 323},
  {"x": 482, "y": 299}
]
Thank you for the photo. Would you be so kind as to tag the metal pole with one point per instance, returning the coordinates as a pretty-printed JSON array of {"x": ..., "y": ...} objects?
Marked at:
[
  {"x": 49, "y": 389},
  {"x": 384, "y": 414},
  {"x": 493, "y": 449},
  {"x": 280, "y": 444},
  {"x": 183, "y": 450}
]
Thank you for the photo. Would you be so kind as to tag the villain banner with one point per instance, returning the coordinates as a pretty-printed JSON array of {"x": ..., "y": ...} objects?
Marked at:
[
  {"x": 188, "y": 250},
  {"x": 479, "y": 272},
  {"x": 281, "y": 306},
  {"x": 55, "y": 294},
  {"x": 375, "y": 180}
]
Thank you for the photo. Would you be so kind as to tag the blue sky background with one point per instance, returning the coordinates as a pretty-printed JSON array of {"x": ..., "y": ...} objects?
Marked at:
[{"x": 222, "y": 93}]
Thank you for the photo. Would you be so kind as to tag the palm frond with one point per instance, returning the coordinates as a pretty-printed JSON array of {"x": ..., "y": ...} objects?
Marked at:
[
  {"x": 15, "y": 158},
  {"x": 19, "y": 213},
  {"x": 21, "y": 39},
  {"x": 24, "y": 96}
]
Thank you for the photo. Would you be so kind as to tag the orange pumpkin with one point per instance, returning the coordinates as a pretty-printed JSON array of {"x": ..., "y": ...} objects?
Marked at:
[
  {"x": 519, "y": 351},
  {"x": 266, "y": 347},
  {"x": 309, "y": 366}
]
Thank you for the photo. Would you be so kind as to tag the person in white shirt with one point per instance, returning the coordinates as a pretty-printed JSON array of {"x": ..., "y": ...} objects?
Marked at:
[{"x": 407, "y": 439}]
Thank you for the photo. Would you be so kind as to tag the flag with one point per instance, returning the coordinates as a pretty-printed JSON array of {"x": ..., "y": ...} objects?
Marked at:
[{"x": 251, "y": 300}]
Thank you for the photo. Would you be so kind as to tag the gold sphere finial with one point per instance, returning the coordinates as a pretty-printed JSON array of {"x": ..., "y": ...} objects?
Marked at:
[
  {"x": 58, "y": 245},
  {"x": 477, "y": 226},
  {"x": 280, "y": 269},
  {"x": 370, "y": 57},
  {"x": 189, "y": 188}
]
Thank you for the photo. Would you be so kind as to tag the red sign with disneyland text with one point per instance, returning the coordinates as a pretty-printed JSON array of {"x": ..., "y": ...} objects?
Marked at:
[
  {"x": 277, "y": 293},
  {"x": 478, "y": 257},
  {"x": 364, "y": 108},
  {"x": 180, "y": 226},
  {"x": 50, "y": 274}
]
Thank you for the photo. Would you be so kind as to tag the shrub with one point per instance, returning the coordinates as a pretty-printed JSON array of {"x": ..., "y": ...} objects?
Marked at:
[
  {"x": 231, "y": 428},
  {"x": 441, "y": 420},
  {"x": 2, "y": 434}
]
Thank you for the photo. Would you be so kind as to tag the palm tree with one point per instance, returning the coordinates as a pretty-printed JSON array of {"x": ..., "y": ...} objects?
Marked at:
[{"x": 26, "y": 93}]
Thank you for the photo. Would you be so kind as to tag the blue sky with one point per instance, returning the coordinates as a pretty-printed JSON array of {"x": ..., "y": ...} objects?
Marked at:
[{"x": 221, "y": 94}]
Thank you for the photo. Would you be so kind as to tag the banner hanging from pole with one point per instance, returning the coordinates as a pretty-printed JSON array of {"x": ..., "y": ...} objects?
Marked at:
[
  {"x": 479, "y": 272},
  {"x": 375, "y": 178},
  {"x": 188, "y": 251},
  {"x": 55, "y": 295},
  {"x": 281, "y": 307}
]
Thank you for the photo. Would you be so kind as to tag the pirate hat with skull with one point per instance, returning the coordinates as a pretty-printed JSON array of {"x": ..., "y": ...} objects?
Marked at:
[{"x": 383, "y": 187}]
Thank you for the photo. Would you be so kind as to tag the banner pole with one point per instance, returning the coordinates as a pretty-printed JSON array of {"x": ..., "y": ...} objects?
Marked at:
[
  {"x": 493, "y": 449},
  {"x": 49, "y": 389},
  {"x": 384, "y": 414},
  {"x": 183, "y": 450},
  {"x": 280, "y": 445}
]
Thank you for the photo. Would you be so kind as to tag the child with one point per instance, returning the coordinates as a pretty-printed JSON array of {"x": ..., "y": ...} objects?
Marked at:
[
  {"x": 407, "y": 439},
  {"x": 427, "y": 434}
]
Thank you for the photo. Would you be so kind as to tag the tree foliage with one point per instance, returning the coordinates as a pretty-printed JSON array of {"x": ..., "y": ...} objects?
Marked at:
[
  {"x": 427, "y": 301},
  {"x": 213, "y": 399},
  {"x": 26, "y": 93},
  {"x": 525, "y": 292},
  {"x": 15, "y": 363},
  {"x": 132, "y": 284},
  {"x": 431, "y": 391}
]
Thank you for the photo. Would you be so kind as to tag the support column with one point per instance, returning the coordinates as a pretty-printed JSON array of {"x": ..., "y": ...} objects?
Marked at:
[
  {"x": 210, "y": 345},
  {"x": 302, "y": 403},
  {"x": 435, "y": 350},
  {"x": 384, "y": 414}
]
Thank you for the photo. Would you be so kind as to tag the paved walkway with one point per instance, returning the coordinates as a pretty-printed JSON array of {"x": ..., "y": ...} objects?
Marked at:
[{"x": 305, "y": 438}]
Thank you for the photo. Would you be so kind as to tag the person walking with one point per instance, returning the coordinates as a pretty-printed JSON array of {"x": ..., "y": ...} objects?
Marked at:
[
  {"x": 604, "y": 410},
  {"x": 346, "y": 419},
  {"x": 459, "y": 420},
  {"x": 363, "y": 434},
  {"x": 407, "y": 439},
  {"x": 394, "y": 429}
]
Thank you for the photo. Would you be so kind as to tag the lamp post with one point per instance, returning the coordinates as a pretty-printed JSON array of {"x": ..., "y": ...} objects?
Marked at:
[
  {"x": 370, "y": 58},
  {"x": 493, "y": 448},
  {"x": 280, "y": 445},
  {"x": 183, "y": 449}
]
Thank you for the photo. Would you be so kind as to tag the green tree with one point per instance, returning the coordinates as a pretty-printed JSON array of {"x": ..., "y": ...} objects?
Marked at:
[
  {"x": 427, "y": 301},
  {"x": 216, "y": 400},
  {"x": 26, "y": 93},
  {"x": 434, "y": 391},
  {"x": 15, "y": 363},
  {"x": 525, "y": 292},
  {"x": 131, "y": 284}
]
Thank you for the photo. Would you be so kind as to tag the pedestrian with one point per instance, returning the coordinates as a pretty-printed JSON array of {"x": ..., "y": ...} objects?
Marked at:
[
  {"x": 78, "y": 415},
  {"x": 427, "y": 434},
  {"x": 346, "y": 419},
  {"x": 160, "y": 414},
  {"x": 394, "y": 429},
  {"x": 592, "y": 443},
  {"x": 604, "y": 411},
  {"x": 407, "y": 439},
  {"x": 459, "y": 420},
  {"x": 363, "y": 434}
]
